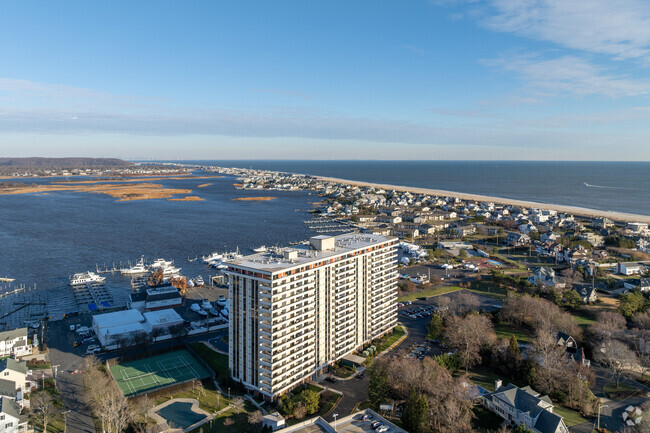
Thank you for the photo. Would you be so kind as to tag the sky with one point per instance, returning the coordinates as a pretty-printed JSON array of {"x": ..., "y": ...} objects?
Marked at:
[{"x": 351, "y": 79}]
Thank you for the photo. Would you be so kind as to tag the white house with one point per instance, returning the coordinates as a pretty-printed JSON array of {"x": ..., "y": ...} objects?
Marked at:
[
  {"x": 524, "y": 406},
  {"x": 544, "y": 276},
  {"x": 162, "y": 319},
  {"x": 274, "y": 421},
  {"x": 10, "y": 419},
  {"x": 16, "y": 372},
  {"x": 14, "y": 342}
]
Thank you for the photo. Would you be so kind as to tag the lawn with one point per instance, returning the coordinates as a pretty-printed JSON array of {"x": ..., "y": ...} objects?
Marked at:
[
  {"x": 619, "y": 393},
  {"x": 240, "y": 420},
  {"x": 56, "y": 425},
  {"x": 486, "y": 288},
  {"x": 485, "y": 378},
  {"x": 583, "y": 318},
  {"x": 485, "y": 419},
  {"x": 571, "y": 417},
  {"x": 386, "y": 341},
  {"x": 436, "y": 291},
  {"x": 217, "y": 361},
  {"x": 328, "y": 401},
  {"x": 210, "y": 400},
  {"x": 344, "y": 371},
  {"x": 505, "y": 330}
]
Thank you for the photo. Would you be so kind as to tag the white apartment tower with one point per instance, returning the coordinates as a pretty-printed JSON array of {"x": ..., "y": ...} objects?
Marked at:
[{"x": 294, "y": 311}]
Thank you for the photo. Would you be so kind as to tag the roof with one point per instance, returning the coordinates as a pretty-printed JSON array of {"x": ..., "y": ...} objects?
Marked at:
[
  {"x": 13, "y": 365},
  {"x": 13, "y": 334},
  {"x": 274, "y": 261},
  {"x": 9, "y": 407},
  {"x": 162, "y": 296},
  {"x": 528, "y": 401},
  {"x": 7, "y": 388},
  {"x": 118, "y": 318},
  {"x": 163, "y": 317}
]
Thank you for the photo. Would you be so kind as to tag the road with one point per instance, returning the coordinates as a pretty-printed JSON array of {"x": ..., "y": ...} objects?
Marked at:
[{"x": 354, "y": 391}]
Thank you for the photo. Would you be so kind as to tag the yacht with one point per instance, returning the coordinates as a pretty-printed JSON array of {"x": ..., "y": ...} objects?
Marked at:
[
  {"x": 161, "y": 263},
  {"x": 212, "y": 258},
  {"x": 199, "y": 281},
  {"x": 86, "y": 278},
  {"x": 139, "y": 268},
  {"x": 170, "y": 271},
  {"x": 261, "y": 249},
  {"x": 205, "y": 304}
]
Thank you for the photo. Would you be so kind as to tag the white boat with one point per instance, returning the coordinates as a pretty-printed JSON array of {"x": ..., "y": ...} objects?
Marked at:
[
  {"x": 170, "y": 271},
  {"x": 161, "y": 263},
  {"x": 199, "y": 281},
  {"x": 261, "y": 249},
  {"x": 205, "y": 304},
  {"x": 212, "y": 258},
  {"x": 139, "y": 268},
  {"x": 221, "y": 301},
  {"x": 86, "y": 278}
]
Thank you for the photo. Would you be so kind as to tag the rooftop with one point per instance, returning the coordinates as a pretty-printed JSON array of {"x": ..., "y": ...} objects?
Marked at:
[{"x": 277, "y": 259}]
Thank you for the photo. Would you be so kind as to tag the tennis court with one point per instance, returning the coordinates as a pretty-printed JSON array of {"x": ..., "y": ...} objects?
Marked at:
[{"x": 159, "y": 371}]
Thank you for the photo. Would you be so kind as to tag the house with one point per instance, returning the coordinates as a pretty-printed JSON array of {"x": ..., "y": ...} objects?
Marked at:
[
  {"x": 517, "y": 239},
  {"x": 629, "y": 268},
  {"x": 406, "y": 232},
  {"x": 273, "y": 421},
  {"x": 642, "y": 284},
  {"x": 544, "y": 276},
  {"x": 389, "y": 219},
  {"x": 464, "y": 230},
  {"x": 637, "y": 227},
  {"x": 10, "y": 419},
  {"x": 15, "y": 342},
  {"x": 602, "y": 223},
  {"x": 593, "y": 238},
  {"x": 567, "y": 341},
  {"x": 382, "y": 230},
  {"x": 155, "y": 298},
  {"x": 587, "y": 293},
  {"x": 16, "y": 372},
  {"x": 524, "y": 406}
]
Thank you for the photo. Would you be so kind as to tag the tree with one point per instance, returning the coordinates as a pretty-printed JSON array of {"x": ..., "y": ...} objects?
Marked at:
[
  {"x": 415, "y": 416},
  {"x": 377, "y": 386},
  {"x": 435, "y": 327},
  {"x": 43, "y": 408},
  {"x": 299, "y": 411},
  {"x": 238, "y": 404},
  {"x": 608, "y": 324},
  {"x": 464, "y": 303},
  {"x": 469, "y": 335},
  {"x": 228, "y": 422},
  {"x": 513, "y": 349},
  {"x": 178, "y": 331},
  {"x": 615, "y": 355},
  {"x": 571, "y": 300},
  {"x": 255, "y": 419},
  {"x": 631, "y": 303},
  {"x": 309, "y": 400}
]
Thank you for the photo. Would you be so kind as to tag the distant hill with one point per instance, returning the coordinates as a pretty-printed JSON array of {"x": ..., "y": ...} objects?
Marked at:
[{"x": 62, "y": 162}]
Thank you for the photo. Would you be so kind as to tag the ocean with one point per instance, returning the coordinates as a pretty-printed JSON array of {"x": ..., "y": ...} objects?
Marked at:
[{"x": 612, "y": 186}]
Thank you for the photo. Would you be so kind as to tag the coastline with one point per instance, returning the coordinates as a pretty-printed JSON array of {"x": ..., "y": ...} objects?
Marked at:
[{"x": 574, "y": 210}]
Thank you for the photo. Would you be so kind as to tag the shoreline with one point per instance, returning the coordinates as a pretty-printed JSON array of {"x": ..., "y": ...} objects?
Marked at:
[{"x": 574, "y": 210}]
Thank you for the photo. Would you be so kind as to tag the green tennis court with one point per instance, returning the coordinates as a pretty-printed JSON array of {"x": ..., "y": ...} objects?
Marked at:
[{"x": 159, "y": 371}]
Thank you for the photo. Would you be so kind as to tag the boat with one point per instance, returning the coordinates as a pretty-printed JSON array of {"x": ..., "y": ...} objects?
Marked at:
[
  {"x": 199, "y": 281},
  {"x": 212, "y": 258},
  {"x": 139, "y": 268},
  {"x": 213, "y": 312},
  {"x": 85, "y": 278},
  {"x": 170, "y": 271},
  {"x": 161, "y": 263},
  {"x": 261, "y": 249},
  {"x": 221, "y": 301},
  {"x": 205, "y": 304}
]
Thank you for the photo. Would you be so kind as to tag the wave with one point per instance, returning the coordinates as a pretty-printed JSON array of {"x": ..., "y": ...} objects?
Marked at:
[{"x": 588, "y": 185}]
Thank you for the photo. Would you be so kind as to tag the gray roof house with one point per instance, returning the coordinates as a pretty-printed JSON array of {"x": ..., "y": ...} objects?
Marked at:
[
  {"x": 587, "y": 293},
  {"x": 524, "y": 406}
]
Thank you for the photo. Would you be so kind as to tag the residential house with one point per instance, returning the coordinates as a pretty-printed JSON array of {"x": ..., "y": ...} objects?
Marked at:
[
  {"x": 382, "y": 230},
  {"x": 544, "y": 276},
  {"x": 389, "y": 219},
  {"x": 593, "y": 238},
  {"x": 642, "y": 284},
  {"x": 637, "y": 227},
  {"x": 602, "y": 223},
  {"x": 16, "y": 372},
  {"x": 517, "y": 239},
  {"x": 524, "y": 406},
  {"x": 15, "y": 342},
  {"x": 587, "y": 293},
  {"x": 464, "y": 230},
  {"x": 567, "y": 341},
  {"x": 10, "y": 419}
]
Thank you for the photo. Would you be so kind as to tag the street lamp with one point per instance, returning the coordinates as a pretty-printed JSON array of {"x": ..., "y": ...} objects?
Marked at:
[
  {"x": 228, "y": 392},
  {"x": 600, "y": 406},
  {"x": 65, "y": 420},
  {"x": 335, "y": 415}
]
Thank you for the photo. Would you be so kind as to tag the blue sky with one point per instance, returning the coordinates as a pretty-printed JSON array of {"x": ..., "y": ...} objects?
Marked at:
[{"x": 370, "y": 79}]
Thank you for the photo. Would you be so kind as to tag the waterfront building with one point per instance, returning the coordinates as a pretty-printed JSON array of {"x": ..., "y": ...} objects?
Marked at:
[
  {"x": 294, "y": 311},
  {"x": 15, "y": 342}
]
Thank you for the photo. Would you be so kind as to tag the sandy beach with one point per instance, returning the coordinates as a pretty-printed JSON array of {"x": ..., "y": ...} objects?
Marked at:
[{"x": 578, "y": 211}]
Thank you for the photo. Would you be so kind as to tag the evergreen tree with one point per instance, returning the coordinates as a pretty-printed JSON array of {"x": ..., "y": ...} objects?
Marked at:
[
  {"x": 377, "y": 388},
  {"x": 513, "y": 349},
  {"x": 415, "y": 416}
]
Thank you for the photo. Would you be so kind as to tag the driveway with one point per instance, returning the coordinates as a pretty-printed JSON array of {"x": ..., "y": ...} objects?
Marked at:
[{"x": 354, "y": 391}]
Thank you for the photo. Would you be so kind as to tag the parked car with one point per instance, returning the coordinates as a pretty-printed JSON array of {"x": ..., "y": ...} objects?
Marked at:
[
  {"x": 366, "y": 416},
  {"x": 330, "y": 379},
  {"x": 375, "y": 425},
  {"x": 360, "y": 375},
  {"x": 382, "y": 429},
  {"x": 89, "y": 339},
  {"x": 76, "y": 344}
]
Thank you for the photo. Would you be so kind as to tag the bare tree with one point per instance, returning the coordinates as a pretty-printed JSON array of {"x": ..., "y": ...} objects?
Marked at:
[
  {"x": 469, "y": 335},
  {"x": 641, "y": 343},
  {"x": 238, "y": 404},
  {"x": 43, "y": 408},
  {"x": 609, "y": 324},
  {"x": 616, "y": 356},
  {"x": 464, "y": 303},
  {"x": 228, "y": 422}
]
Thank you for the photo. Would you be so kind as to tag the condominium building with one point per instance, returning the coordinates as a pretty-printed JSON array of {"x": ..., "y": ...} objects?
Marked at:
[{"x": 294, "y": 311}]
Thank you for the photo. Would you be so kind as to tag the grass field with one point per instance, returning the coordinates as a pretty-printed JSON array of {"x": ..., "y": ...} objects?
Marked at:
[
  {"x": 430, "y": 292},
  {"x": 157, "y": 371},
  {"x": 386, "y": 341},
  {"x": 571, "y": 417},
  {"x": 217, "y": 361},
  {"x": 505, "y": 330}
]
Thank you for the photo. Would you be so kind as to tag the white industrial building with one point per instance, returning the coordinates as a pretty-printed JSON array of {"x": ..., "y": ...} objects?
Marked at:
[
  {"x": 161, "y": 319},
  {"x": 294, "y": 311},
  {"x": 111, "y": 327}
]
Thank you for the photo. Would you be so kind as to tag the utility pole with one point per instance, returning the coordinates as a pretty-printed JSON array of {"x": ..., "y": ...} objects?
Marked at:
[{"x": 600, "y": 406}]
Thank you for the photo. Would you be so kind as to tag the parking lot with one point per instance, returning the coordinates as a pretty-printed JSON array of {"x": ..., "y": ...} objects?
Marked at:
[{"x": 359, "y": 425}]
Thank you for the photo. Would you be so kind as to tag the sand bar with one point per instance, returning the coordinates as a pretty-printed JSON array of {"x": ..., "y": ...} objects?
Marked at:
[
  {"x": 188, "y": 198},
  {"x": 254, "y": 198},
  {"x": 123, "y": 192},
  {"x": 574, "y": 210}
]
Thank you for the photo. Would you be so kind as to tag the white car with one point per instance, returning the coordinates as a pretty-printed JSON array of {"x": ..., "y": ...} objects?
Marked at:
[{"x": 382, "y": 429}]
